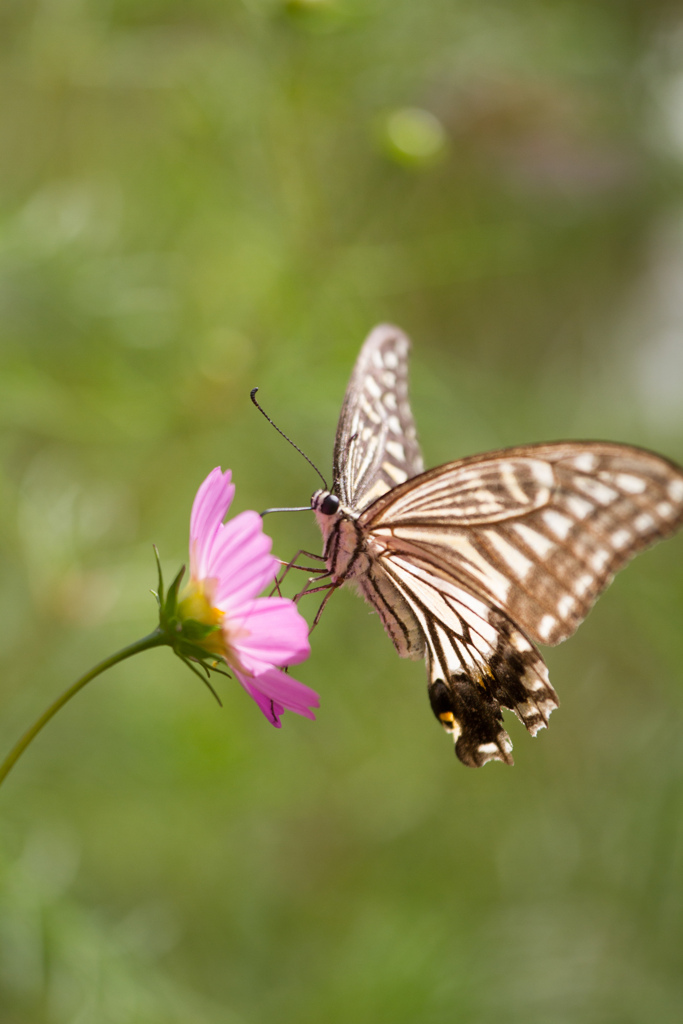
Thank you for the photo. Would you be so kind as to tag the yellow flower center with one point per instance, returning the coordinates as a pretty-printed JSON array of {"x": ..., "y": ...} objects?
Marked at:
[{"x": 195, "y": 603}]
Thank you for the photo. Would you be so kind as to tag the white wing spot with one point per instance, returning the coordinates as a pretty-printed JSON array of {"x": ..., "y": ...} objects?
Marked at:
[
  {"x": 379, "y": 488},
  {"x": 595, "y": 489},
  {"x": 509, "y": 478},
  {"x": 390, "y": 360},
  {"x": 644, "y": 522},
  {"x": 664, "y": 509},
  {"x": 480, "y": 508},
  {"x": 513, "y": 558},
  {"x": 620, "y": 539},
  {"x": 389, "y": 399},
  {"x": 630, "y": 484},
  {"x": 373, "y": 387},
  {"x": 484, "y": 497},
  {"x": 396, "y": 450},
  {"x": 394, "y": 425},
  {"x": 585, "y": 462},
  {"x": 538, "y": 542},
  {"x": 583, "y": 584},
  {"x": 399, "y": 476},
  {"x": 520, "y": 642},
  {"x": 543, "y": 472},
  {"x": 557, "y": 523},
  {"x": 527, "y": 708},
  {"x": 546, "y": 626},
  {"x": 675, "y": 489},
  {"x": 546, "y": 707},
  {"x": 600, "y": 559},
  {"x": 377, "y": 359},
  {"x": 579, "y": 507},
  {"x": 389, "y": 379},
  {"x": 565, "y": 605},
  {"x": 488, "y": 748},
  {"x": 369, "y": 412}
]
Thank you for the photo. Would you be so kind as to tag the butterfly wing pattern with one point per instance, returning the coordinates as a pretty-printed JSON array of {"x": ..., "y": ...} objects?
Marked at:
[
  {"x": 376, "y": 445},
  {"x": 473, "y": 563}
]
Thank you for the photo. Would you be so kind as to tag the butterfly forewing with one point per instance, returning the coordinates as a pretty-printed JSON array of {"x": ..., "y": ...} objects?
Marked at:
[
  {"x": 376, "y": 445},
  {"x": 471, "y": 563},
  {"x": 543, "y": 532}
]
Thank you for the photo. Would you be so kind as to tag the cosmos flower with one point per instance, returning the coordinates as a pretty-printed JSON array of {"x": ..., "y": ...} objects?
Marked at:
[{"x": 230, "y": 564}]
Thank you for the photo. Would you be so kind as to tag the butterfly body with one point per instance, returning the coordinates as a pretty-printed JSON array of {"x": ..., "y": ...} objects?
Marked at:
[
  {"x": 353, "y": 559},
  {"x": 472, "y": 563}
]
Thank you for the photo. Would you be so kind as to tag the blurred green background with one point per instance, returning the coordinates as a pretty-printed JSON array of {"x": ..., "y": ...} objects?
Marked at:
[{"x": 199, "y": 197}]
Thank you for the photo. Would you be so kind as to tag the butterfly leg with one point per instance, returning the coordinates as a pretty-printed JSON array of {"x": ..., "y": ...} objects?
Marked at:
[
  {"x": 329, "y": 587},
  {"x": 292, "y": 564},
  {"x": 314, "y": 590}
]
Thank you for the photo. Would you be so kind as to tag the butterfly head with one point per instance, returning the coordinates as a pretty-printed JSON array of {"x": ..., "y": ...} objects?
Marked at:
[
  {"x": 326, "y": 503},
  {"x": 326, "y": 508}
]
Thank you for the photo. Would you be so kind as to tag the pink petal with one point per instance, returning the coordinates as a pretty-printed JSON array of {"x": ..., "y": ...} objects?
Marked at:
[
  {"x": 270, "y": 708},
  {"x": 241, "y": 560},
  {"x": 278, "y": 689},
  {"x": 277, "y": 633},
  {"x": 212, "y": 501},
  {"x": 229, "y": 539}
]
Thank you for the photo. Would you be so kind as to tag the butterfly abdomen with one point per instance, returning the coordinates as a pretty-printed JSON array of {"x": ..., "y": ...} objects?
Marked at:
[{"x": 394, "y": 611}]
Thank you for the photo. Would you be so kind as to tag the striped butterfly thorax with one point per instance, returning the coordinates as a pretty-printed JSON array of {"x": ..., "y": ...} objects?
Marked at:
[{"x": 472, "y": 563}]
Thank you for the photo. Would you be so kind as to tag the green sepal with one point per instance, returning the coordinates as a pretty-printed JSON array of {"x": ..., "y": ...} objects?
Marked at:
[
  {"x": 195, "y": 631},
  {"x": 159, "y": 592},
  {"x": 184, "y": 636},
  {"x": 171, "y": 605},
  {"x": 205, "y": 679},
  {"x": 186, "y": 649},
  {"x": 187, "y": 637}
]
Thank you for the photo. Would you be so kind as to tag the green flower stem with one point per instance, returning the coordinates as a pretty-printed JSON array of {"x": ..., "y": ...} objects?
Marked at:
[{"x": 156, "y": 639}]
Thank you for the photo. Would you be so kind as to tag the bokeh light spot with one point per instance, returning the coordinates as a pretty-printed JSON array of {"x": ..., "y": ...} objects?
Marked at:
[{"x": 414, "y": 136}]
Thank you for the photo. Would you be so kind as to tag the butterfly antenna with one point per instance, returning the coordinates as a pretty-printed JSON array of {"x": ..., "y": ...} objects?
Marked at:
[{"x": 264, "y": 413}]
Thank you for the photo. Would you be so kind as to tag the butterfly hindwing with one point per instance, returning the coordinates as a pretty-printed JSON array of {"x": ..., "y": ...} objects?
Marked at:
[
  {"x": 478, "y": 661},
  {"x": 376, "y": 446}
]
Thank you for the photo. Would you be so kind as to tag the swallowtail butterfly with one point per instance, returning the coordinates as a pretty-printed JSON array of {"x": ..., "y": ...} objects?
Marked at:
[{"x": 471, "y": 564}]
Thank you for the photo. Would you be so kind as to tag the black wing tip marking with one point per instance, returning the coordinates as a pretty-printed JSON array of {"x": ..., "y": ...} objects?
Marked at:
[
  {"x": 471, "y": 709},
  {"x": 473, "y": 717}
]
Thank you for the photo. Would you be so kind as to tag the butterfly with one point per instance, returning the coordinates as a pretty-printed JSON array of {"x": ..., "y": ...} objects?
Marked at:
[{"x": 473, "y": 563}]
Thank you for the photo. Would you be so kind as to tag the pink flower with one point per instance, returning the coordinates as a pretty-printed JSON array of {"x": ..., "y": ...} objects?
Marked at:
[{"x": 230, "y": 564}]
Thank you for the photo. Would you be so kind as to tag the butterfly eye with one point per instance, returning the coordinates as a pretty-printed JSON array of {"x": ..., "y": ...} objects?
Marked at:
[{"x": 329, "y": 505}]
